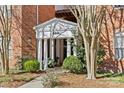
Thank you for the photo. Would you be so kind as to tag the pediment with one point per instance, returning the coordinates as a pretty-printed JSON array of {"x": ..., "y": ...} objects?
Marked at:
[
  {"x": 54, "y": 27},
  {"x": 57, "y": 23}
]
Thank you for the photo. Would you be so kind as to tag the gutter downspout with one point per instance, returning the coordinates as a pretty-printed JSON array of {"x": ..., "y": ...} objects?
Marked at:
[
  {"x": 37, "y": 22},
  {"x": 37, "y": 15}
]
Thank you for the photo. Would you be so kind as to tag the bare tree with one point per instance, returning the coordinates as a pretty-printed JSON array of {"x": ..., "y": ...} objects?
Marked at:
[
  {"x": 5, "y": 31},
  {"x": 89, "y": 20}
]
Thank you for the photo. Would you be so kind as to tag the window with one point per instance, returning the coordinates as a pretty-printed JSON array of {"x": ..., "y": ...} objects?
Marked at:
[
  {"x": 119, "y": 45},
  {"x": 59, "y": 7},
  {"x": 3, "y": 8},
  {"x": 119, "y": 6}
]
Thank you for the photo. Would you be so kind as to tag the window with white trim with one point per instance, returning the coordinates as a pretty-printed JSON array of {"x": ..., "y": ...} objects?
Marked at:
[
  {"x": 119, "y": 45},
  {"x": 118, "y": 6},
  {"x": 8, "y": 12}
]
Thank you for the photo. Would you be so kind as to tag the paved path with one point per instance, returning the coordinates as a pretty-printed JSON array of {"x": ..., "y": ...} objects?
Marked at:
[{"x": 36, "y": 83}]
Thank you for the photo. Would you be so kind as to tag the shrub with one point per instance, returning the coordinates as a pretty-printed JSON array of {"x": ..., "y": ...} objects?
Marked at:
[
  {"x": 31, "y": 65},
  {"x": 100, "y": 58},
  {"x": 49, "y": 81},
  {"x": 100, "y": 55},
  {"x": 81, "y": 56},
  {"x": 21, "y": 60},
  {"x": 51, "y": 63},
  {"x": 73, "y": 64}
]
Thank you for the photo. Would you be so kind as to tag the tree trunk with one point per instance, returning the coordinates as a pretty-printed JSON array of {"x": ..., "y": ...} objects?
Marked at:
[
  {"x": 87, "y": 49},
  {"x": 88, "y": 60},
  {"x": 7, "y": 66},
  {"x": 87, "y": 52},
  {"x": 93, "y": 62},
  {"x": 93, "y": 56},
  {"x": 5, "y": 61},
  {"x": 2, "y": 64}
]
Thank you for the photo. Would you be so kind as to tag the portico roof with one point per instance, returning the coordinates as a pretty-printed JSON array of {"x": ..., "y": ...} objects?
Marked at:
[{"x": 56, "y": 28}]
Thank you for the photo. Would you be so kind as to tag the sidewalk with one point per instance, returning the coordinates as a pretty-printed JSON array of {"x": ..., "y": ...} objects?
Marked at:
[{"x": 36, "y": 83}]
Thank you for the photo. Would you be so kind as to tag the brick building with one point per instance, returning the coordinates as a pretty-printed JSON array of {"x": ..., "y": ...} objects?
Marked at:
[
  {"x": 23, "y": 36},
  {"x": 25, "y": 42},
  {"x": 25, "y": 18}
]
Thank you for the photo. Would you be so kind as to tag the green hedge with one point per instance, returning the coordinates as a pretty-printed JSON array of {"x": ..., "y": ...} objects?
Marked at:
[
  {"x": 31, "y": 65},
  {"x": 73, "y": 64}
]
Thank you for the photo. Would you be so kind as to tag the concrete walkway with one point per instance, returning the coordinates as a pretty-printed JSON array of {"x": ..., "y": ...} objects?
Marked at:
[{"x": 36, "y": 83}]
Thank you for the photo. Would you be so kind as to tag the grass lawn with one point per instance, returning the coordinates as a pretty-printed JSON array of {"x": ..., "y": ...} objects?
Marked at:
[
  {"x": 17, "y": 78},
  {"x": 69, "y": 80},
  {"x": 113, "y": 77}
]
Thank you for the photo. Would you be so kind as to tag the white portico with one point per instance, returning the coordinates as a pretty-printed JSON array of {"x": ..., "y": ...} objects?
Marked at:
[{"x": 54, "y": 40}]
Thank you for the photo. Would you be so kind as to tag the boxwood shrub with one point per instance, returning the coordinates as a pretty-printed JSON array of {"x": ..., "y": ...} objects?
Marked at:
[
  {"x": 73, "y": 64},
  {"x": 31, "y": 65}
]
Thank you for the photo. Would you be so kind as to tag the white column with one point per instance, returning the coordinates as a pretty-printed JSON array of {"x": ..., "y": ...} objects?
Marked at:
[
  {"x": 61, "y": 50},
  {"x": 40, "y": 52},
  {"x": 68, "y": 47},
  {"x": 45, "y": 54},
  {"x": 52, "y": 48},
  {"x": 58, "y": 49},
  {"x": 74, "y": 48}
]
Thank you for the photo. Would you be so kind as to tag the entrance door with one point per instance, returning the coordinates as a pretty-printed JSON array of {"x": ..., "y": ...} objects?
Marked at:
[
  {"x": 59, "y": 57},
  {"x": 65, "y": 48}
]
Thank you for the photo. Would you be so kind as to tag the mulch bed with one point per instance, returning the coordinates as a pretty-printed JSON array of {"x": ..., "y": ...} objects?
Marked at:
[
  {"x": 18, "y": 79},
  {"x": 69, "y": 80}
]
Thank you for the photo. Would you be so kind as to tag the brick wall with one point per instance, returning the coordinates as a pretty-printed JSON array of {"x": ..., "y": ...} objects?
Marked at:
[
  {"x": 28, "y": 34},
  {"x": 16, "y": 35},
  {"x": 29, "y": 20},
  {"x": 107, "y": 38},
  {"x": 23, "y": 35},
  {"x": 46, "y": 12}
]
